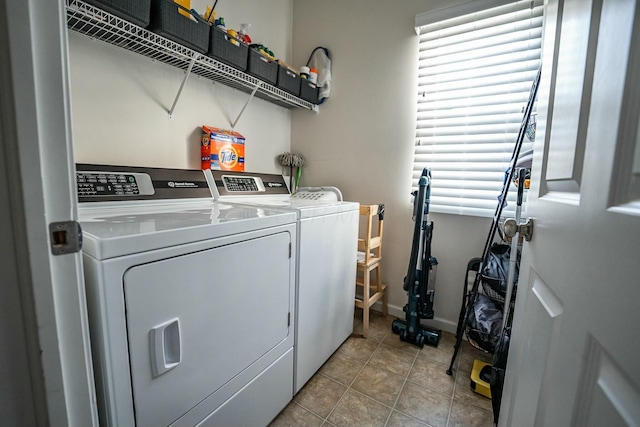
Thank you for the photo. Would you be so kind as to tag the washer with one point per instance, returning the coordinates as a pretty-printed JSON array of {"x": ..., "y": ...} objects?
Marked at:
[
  {"x": 326, "y": 260},
  {"x": 190, "y": 301}
]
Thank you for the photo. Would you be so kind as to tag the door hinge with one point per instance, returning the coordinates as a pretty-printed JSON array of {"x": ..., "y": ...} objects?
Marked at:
[{"x": 65, "y": 237}]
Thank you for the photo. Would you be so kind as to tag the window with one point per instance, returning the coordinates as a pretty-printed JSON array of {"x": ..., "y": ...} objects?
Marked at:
[{"x": 475, "y": 73}]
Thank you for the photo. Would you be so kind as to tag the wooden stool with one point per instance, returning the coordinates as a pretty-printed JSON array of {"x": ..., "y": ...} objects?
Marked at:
[{"x": 369, "y": 257}]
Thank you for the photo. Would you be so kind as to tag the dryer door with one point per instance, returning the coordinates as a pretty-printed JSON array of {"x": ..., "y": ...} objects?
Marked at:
[{"x": 198, "y": 322}]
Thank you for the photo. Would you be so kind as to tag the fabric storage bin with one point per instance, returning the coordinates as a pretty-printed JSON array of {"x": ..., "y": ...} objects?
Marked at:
[
  {"x": 309, "y": 91},
  {"x": 288, "y": 80},
  {"x": 135, "y": 11},
  {"x": 227, "y": 49},
  {"x": 262, "y": 67},
  {"x": 168, "y": 22}
]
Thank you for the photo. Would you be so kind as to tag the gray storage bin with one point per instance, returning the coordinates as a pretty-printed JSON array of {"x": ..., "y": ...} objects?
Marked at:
[
  {"x": 262, "y": 67},
  {"x": 309, "y": 91},
  {"x": 135, "y": 11},
  {"x": 288, "y": 80},
  {"x": 168, "y": 22},
  {"x": 223, "y": 48}
]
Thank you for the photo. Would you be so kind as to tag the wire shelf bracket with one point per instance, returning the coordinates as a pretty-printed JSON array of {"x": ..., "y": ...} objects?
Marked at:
[
  {"x": 253, "y": 92},
  {"x": 184, "y": 80}
]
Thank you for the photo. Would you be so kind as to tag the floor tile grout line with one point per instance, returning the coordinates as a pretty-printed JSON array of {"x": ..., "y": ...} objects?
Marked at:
[
  {"x": 406, "y": 380},
  {"x": 392, "y": 409},
  {"x": 309, "y": 410},
  {"x": 347, "y": 387},
  {"x": 456, "y": 372},
  {"x": 405, "y": 377},
  {"x": 404, "y": 383},
  {"x": 453, "y": 393},
  {"x": 416, "y": 356},
  {"x": 353, "y": 380}
]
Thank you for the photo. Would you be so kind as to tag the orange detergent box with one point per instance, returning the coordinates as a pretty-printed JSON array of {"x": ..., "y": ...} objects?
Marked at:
[{"x": 221, "y": 149}]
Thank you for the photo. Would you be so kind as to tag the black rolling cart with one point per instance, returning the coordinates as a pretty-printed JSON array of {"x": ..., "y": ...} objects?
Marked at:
[{"x": 483, "y": 318}]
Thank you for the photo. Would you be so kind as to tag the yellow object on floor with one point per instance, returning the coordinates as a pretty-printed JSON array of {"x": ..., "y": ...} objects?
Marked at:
[{"x": 480, "y": 375}]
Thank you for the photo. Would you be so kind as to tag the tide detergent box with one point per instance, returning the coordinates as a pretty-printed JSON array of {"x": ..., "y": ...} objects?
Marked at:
[{"x": 221, "y": 149}]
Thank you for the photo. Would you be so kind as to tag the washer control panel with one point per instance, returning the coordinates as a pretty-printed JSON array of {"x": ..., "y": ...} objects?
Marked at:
[
  {"x": 318, "y": 195},
  {"x": 242, "y": 184}
]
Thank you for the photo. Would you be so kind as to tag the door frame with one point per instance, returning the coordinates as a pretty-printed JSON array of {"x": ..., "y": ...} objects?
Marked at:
[{"x": 45, "y": 341}]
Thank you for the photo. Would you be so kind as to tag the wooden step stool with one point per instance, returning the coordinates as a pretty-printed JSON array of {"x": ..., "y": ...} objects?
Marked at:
[{"x": 369, "y": 257}]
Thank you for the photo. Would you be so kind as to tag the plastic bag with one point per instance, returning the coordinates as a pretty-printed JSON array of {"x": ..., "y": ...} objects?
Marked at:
[
  {"x": 319, "y": 59},
  {"x": 485, "y": 323},
  {"x": 496, "y": 272}
]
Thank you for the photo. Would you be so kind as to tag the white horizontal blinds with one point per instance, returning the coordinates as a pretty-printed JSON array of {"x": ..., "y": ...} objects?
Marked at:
[{"x": 475, "y": 76}]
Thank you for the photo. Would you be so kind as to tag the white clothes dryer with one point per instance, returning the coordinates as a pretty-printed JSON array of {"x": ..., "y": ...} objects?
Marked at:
[
  {"x": 190, "y": 301},
  {"x": 327, "y": 236}
]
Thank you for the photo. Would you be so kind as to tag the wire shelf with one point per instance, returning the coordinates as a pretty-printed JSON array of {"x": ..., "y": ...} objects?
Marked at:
[{"x": 100, "y": 25}]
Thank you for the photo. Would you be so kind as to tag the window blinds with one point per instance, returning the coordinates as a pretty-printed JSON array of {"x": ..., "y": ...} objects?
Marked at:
[{"x": 474, "y": 78}]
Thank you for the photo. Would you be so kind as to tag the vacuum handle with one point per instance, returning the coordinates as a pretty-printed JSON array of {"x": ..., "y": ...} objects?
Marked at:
[{"x": 522, "y": 173}]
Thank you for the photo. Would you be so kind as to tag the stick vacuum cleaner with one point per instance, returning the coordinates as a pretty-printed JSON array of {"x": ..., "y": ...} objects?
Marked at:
[{"x": 421, "y": 264}]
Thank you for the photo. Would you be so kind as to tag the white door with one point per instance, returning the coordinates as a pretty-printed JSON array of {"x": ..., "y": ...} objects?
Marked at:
[
  {"x": 46, "y": 376},
  {"x": 574, "y": 356}
]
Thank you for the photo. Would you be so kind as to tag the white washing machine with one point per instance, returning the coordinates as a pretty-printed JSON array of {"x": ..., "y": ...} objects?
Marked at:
[
  {"x": 326, "y": 260},
  {"x": 190, "y": 302}
]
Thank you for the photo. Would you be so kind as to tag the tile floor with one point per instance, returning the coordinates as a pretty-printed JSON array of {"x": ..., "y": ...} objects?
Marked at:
[{"x": 382, "y": 381}]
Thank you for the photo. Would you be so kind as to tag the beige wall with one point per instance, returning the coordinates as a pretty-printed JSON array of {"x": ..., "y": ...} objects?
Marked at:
[{"x": 362, "y": 139}]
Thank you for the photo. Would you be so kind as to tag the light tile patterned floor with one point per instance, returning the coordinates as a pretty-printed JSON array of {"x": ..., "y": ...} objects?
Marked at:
[{"x": 381, "y": 381}]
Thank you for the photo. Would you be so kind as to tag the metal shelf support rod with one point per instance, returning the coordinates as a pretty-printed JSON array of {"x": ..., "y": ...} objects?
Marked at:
[
  {"x": 255, "y": 89},
  {"x": 184, "y": 80}
]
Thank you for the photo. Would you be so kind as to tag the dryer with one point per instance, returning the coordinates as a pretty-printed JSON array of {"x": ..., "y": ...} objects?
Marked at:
[
  {"x": 327, "y": 234},
  {"x": 190, "y": 301}
]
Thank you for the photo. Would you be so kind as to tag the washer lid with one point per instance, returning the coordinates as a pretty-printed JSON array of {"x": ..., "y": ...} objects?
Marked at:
[
  {"x": 304, "y": 208},
  {"x": 270, "y": 190},
  {"x": 311, "y": 208},
  {"x": 122, "y": 230}
]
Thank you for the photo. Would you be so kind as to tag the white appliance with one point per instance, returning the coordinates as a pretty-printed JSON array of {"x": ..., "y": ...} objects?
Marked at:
[
  {"x": 326, "y": 259},
  {"x": 190, "y": 302}
]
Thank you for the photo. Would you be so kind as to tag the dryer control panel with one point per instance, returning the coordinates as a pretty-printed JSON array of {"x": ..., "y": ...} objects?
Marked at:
[{"x": 111, "y": 183}]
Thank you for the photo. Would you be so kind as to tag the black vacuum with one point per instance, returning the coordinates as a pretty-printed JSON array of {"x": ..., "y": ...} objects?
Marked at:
[{"x": 419, "y": 288}]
